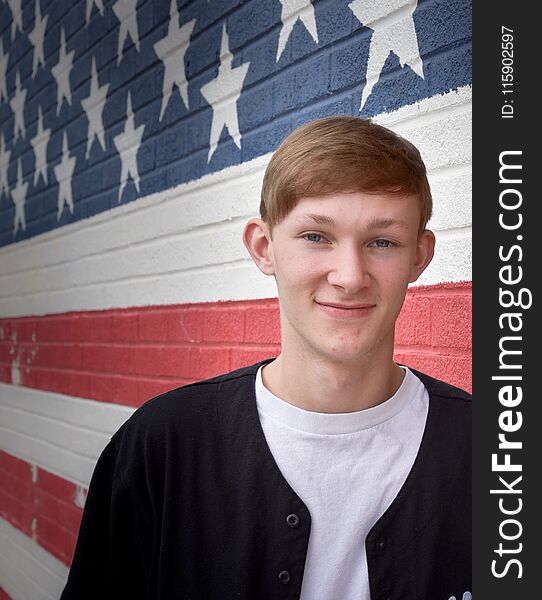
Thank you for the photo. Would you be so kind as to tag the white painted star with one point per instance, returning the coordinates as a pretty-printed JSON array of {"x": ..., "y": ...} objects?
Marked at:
[
  {"x": 17, "y": 15},
  {"x": 222, "y": 94},
  {"x": 171, "y": 51},
  {"x": 125, "y": 11},
  {"x": 18, "y": 195},
  {"x": 398, "y": 37},
  {"x": 17, "y": 106},
  {"x": 36, "y": 36},
  {"x": 292, "y": 10},
  {"x": 61, "y": 72},
  {"x": 5, "y": 155},
  {"x": 94, "y": 106},
  {"x": 90, "y": 3},
  {"x": 63, "y": 174},
  {"x": 39, "y": 143},
  {"x": 3, "y": 70},
  {"x": 127, "y": 144}
]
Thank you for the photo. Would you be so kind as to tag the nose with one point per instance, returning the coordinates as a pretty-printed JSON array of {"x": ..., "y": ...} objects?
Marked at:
[{"x": 349, "y": 269}]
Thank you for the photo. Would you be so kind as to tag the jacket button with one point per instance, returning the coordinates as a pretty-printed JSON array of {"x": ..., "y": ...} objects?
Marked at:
[
  {"x": 381, "y": 544},
  {"x": 292, "y": 520},
  {"x": 284, "y": 577}
]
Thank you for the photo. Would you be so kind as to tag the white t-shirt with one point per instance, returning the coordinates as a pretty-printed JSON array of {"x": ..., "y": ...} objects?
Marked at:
[{"x": 347, "y": 468}]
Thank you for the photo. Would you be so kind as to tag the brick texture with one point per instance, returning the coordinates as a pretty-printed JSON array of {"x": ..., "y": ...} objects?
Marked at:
[
  {"x": 125, "y": 357},
  {"x": 434, "y": 332},
  {"x": 129, "y": 360},
  {"x": 40, "y": 504}
]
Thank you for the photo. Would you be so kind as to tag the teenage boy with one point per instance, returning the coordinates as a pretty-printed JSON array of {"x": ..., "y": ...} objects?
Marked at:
[{"x": 329, "y": 472}]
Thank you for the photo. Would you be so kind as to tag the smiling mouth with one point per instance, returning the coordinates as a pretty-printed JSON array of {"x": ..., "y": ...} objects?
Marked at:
[{"x": 345, "y": 311}]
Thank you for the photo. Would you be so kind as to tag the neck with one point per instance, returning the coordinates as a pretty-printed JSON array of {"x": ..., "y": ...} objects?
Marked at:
[{"x": 319, "y": 385}]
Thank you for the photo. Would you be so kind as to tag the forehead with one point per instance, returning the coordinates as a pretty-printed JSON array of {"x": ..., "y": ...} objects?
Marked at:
[{"x": 371, "y": 210}]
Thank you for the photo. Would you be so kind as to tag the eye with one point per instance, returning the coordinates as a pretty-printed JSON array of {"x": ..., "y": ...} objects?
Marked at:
[
  {"x": 381, "y": 243},
  {"x": 314, "y": 237}
]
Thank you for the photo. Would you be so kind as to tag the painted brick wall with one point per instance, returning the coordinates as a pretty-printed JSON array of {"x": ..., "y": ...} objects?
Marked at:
[
  {"x": 277, "y": 95},
  {"x": 434, "y": 332},
  {"x": 178, "y": 345},
  {"x": 184, "y": 246},
  {"x": 41, "y": 505},
  {"x": 146, "y": 287},
  {"x": 125, "y": 357}
]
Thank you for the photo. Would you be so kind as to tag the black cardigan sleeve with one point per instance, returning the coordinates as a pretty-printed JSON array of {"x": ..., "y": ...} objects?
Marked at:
[{"x": 114, "y": 546}]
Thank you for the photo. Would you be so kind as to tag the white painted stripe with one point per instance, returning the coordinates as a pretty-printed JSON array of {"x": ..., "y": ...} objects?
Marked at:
[
  {"x": 453, "y": 253},
  {"x": 453, "y": 188},
  {"x": 184, "y": 244},
  {"x": 62, "y": 434},
  {"x": 27, "y": 571}
]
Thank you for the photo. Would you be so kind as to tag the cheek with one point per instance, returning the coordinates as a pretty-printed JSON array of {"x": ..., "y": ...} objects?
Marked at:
[
  {"x": 396, "y": 297},
  {"x": 296, "y": 270},
  {"x": 396, "y": 275}
]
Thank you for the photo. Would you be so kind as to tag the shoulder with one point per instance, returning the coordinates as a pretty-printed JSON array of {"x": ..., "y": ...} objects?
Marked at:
[
  {"x": 449, "y": 423},
  {"x": 450, "y": 408},
  {"x": 169, "y": 430},
  {"x": 439, "y": 389}
]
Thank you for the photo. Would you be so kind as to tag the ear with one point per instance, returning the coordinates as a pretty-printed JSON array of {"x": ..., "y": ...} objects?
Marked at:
[
  {"x": 425, "y": 250},
  {"x": 258, "y": 242}
]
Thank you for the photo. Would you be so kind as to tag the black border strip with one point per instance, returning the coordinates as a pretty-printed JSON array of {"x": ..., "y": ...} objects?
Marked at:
[{"x": 505, "y": 270}]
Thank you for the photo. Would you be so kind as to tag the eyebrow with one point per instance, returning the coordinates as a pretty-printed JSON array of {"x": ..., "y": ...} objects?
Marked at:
[
  {"x": 374, "y": 223},
  {"x": 383, "y": 223},
  {"x": 319, "y": 219}
]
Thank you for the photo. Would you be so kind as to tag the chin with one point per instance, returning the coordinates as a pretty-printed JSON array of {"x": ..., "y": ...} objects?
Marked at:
[{"x": 345, "y": 355}]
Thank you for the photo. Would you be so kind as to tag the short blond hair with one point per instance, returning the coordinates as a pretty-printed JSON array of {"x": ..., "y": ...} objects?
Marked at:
[{"x": 342, "y": 154}]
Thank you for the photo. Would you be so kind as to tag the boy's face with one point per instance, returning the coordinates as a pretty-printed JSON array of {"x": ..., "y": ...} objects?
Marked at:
[{"x": 342, "y": 264}]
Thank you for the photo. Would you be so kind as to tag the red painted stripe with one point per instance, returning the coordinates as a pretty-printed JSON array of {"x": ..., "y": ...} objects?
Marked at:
[
  {"x": 16, "y": 492},
  {"x": 4, "y": 595},
  {"x": 434, "y": 332},
  {"x": 42, "y": 507},
  {"x": 433, "y": 335},
  {"x": 128, "y": 356}
]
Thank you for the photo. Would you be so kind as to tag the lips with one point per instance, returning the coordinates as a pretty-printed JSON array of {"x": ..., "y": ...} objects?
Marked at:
[
  {"x": 345, "y": 311},
  {"x": 345, "y": 306}
]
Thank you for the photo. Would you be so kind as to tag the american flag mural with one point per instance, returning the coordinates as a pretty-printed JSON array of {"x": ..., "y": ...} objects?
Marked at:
[{"x": 133, "y": 139}]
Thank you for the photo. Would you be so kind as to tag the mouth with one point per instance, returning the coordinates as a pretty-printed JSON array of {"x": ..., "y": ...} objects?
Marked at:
[{"x": 345, "y": 311}]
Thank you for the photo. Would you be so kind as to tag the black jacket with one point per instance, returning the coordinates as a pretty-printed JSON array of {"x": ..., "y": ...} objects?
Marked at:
[{"x": 187, "y": 502}]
